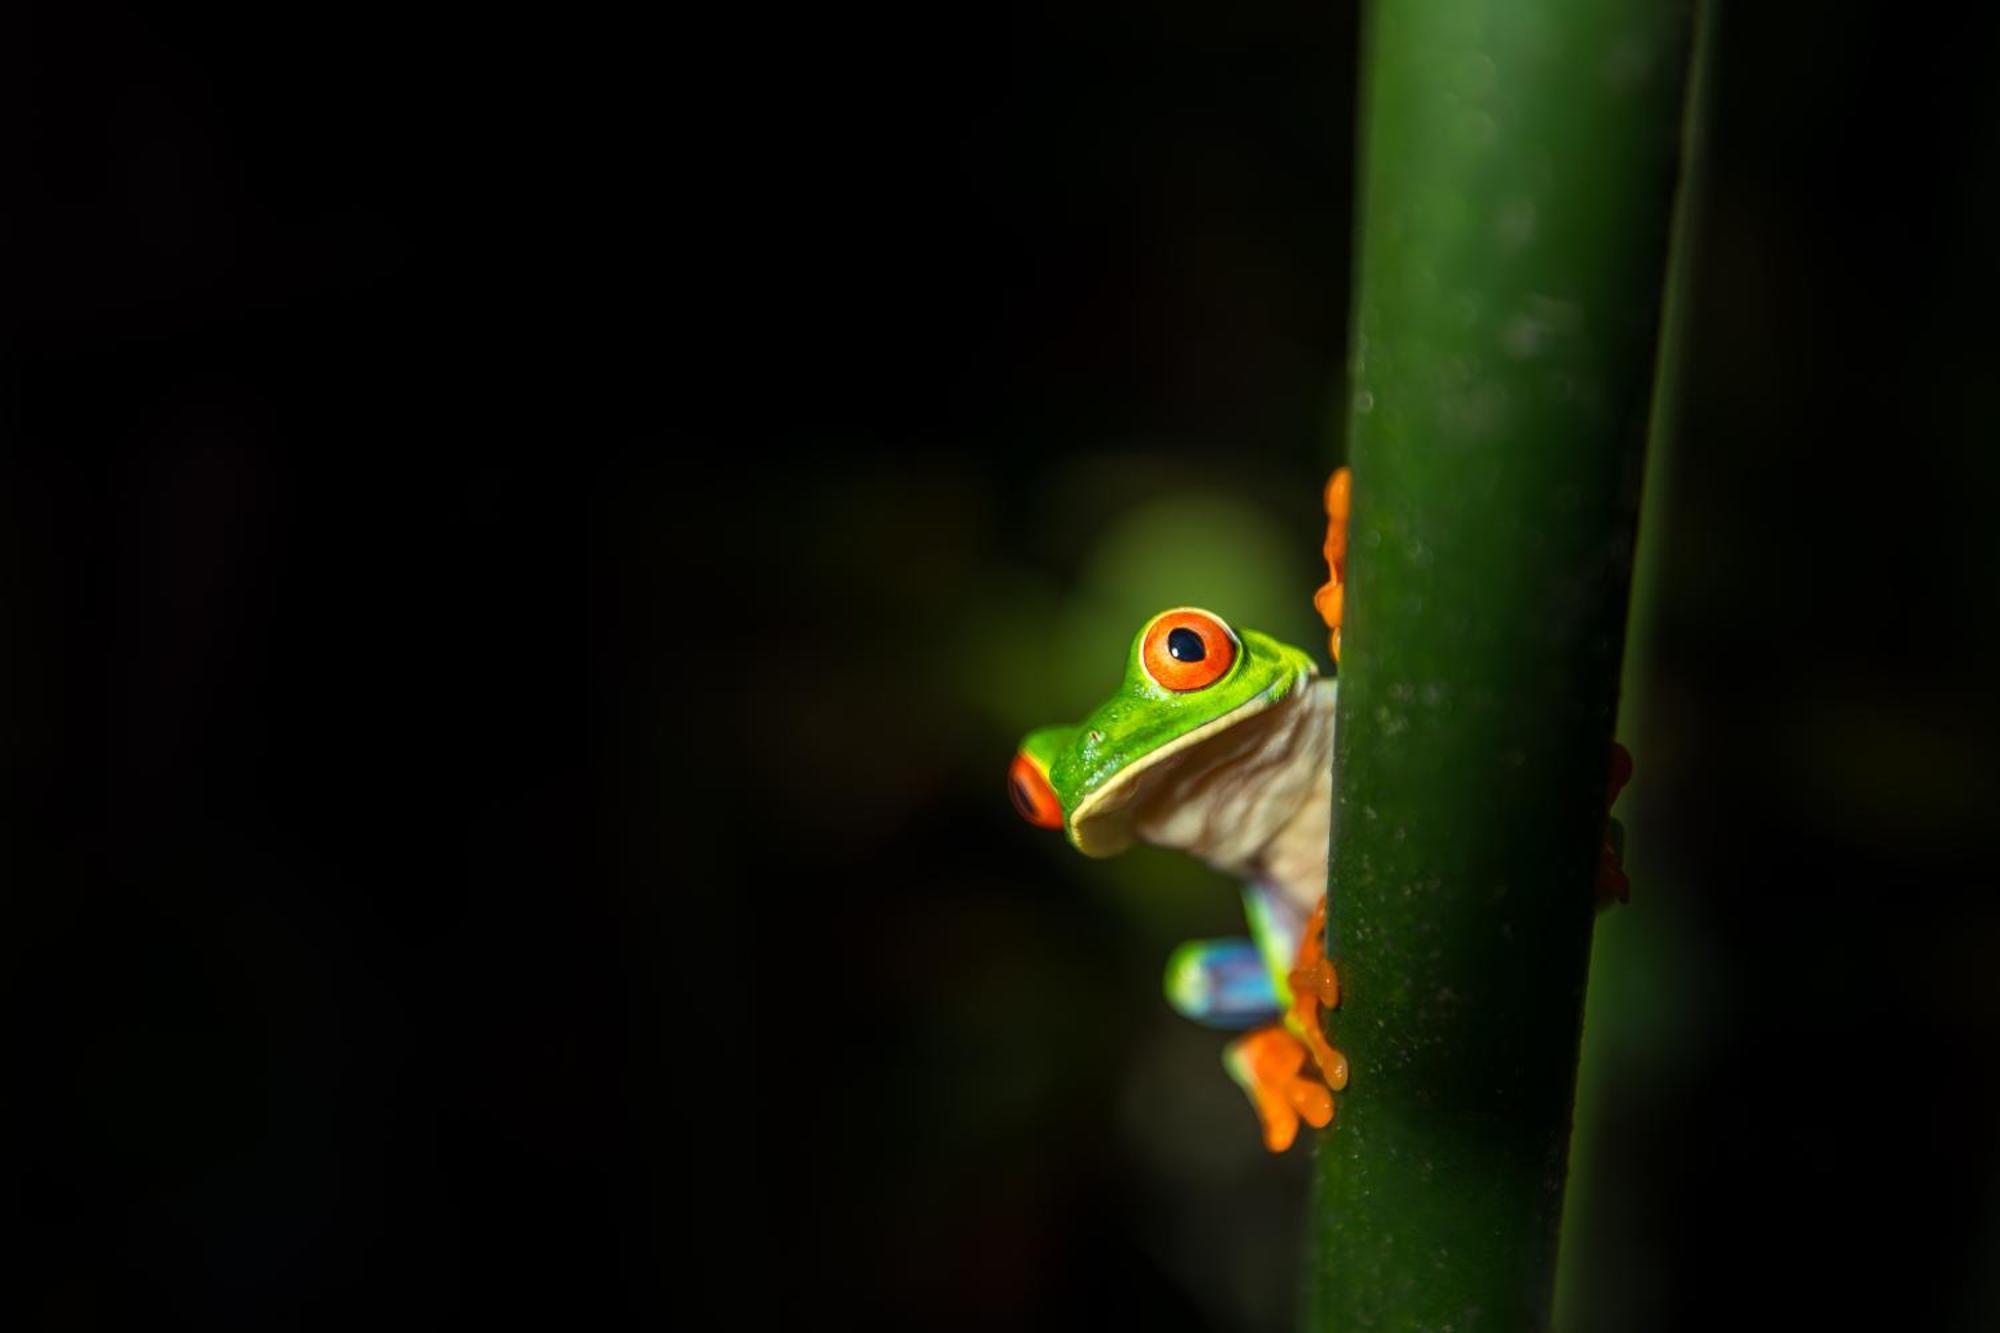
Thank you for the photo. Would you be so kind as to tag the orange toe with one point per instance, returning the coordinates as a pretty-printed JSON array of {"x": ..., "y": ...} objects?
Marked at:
[
  {"x": 1312, "y": 1101},
  {"x": 1316, "y": 986},
  {"x": 1330, "y": 600}
]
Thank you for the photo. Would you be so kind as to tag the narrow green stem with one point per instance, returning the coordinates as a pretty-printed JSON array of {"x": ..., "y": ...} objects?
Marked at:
[{"x": 1519, "y": 169}]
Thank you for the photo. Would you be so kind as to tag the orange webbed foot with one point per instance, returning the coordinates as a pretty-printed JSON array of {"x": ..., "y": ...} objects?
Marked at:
[{"x": 1270, "y": 1065}]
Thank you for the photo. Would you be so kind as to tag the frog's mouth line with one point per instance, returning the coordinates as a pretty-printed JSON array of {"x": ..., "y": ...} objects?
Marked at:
[{"x": 1095, "y": 825}]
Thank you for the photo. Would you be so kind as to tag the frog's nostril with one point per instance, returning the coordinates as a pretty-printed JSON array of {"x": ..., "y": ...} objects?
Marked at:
[{"x": 1029, "y": 789}]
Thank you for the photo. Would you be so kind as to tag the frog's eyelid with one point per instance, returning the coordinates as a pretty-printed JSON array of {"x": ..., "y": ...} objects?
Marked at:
[{"x": 1034, "y": 798}]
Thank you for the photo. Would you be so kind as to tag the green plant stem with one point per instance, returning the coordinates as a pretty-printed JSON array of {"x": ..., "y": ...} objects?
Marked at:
[
  {"x": 1646, "y": 951},
  {"x": 1519, "y": 169}
]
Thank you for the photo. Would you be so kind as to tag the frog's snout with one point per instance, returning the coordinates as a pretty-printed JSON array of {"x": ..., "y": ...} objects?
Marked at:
[{"x": 1029, "y": 787}]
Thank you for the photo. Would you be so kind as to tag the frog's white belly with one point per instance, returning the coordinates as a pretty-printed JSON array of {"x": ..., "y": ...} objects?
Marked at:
[{"x": 1256, "y": 799}]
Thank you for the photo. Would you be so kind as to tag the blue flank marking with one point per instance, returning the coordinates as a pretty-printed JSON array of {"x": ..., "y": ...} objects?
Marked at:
[{"x": 1222, "y": 984}]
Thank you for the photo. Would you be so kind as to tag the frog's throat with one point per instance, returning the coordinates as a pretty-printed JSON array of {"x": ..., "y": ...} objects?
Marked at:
[{"x": 1230, "y": 791}]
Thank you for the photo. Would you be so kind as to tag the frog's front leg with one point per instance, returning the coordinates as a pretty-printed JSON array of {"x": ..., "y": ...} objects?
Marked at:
[{"x": 1315, "y": 986}]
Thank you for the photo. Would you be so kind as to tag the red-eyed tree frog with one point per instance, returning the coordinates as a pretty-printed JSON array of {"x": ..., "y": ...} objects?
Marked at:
[{"x": 1219, "y": 743}]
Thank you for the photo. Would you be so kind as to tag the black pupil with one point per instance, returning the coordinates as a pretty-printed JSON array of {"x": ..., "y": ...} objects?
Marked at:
[{"x": 1184, "y": 645}]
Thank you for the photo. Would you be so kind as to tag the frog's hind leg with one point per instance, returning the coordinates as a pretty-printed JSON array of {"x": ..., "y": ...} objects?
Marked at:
[
  {"x": 1270, "y": 1066},
  {"x": 1222, "y": 984}
]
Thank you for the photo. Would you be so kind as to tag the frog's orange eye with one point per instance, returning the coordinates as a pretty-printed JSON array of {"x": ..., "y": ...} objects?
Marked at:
[
  {"x": 1188, "y": 649},
  {"x": 1033, "y": 796}
]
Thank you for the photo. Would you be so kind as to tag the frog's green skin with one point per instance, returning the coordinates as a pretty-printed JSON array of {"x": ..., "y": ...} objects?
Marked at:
[{"x": 1238, "y": 773}]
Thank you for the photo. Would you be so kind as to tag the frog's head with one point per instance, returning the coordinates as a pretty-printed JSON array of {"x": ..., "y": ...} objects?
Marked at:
[{"x": 1188, "y": 679}]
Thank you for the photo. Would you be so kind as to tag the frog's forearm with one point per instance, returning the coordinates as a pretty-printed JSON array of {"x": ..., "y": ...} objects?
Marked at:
[{"x": 1276, "y": 926}]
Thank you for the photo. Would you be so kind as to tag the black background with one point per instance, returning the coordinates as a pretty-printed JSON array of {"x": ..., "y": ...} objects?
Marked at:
[{"x": 482, "y": 840}]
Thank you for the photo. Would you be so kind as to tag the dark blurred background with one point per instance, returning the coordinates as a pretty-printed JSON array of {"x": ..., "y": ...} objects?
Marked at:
[{"x": 531, "y": 539}]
